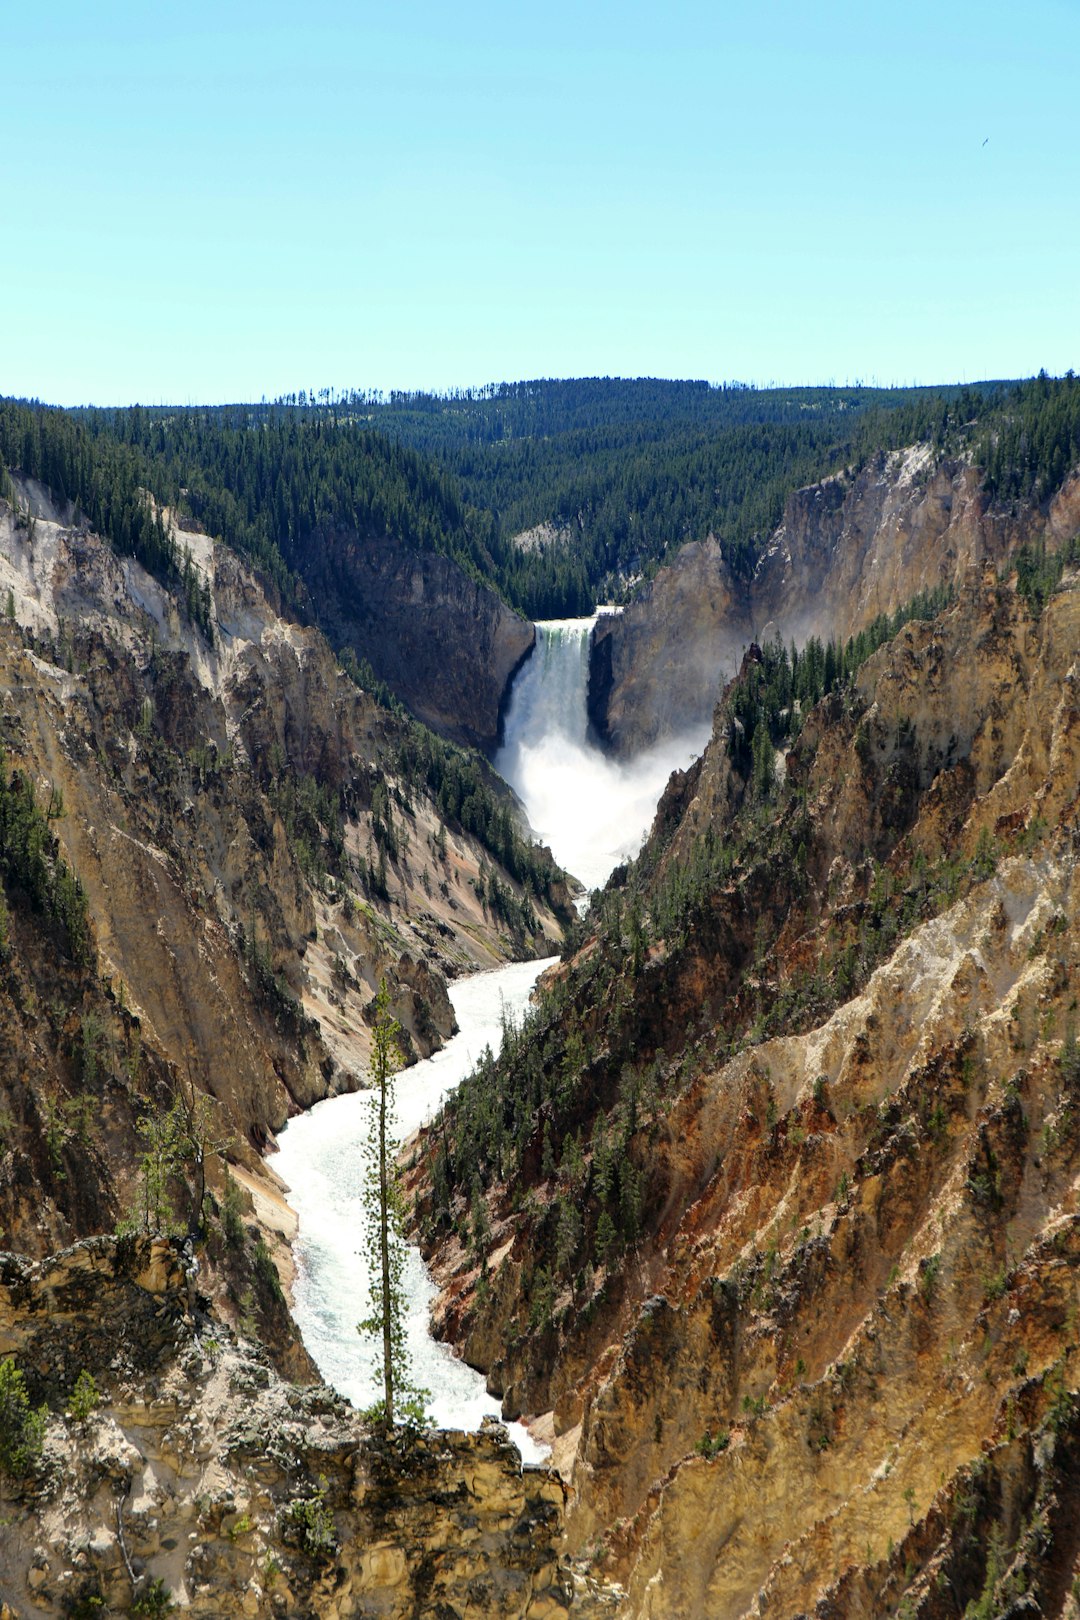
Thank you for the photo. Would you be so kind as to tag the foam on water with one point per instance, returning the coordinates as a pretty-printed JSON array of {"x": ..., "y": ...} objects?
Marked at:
[{"x": 321, "y": 1159}]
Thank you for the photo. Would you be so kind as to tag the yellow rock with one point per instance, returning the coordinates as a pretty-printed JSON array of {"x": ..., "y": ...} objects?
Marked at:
[{"x": 382, "y": 1566}]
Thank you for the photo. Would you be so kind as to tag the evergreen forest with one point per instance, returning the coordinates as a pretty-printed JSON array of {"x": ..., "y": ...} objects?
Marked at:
[{"x": 604, "y": 477}]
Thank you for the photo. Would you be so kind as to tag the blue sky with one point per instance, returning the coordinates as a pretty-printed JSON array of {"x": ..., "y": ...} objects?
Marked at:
[{"x": 222, "y": 201}]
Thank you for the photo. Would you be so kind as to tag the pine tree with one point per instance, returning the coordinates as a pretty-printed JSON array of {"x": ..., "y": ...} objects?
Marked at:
[
  {"x": 22, "y": 1427},
  {"x": 384, "y": 1243}
]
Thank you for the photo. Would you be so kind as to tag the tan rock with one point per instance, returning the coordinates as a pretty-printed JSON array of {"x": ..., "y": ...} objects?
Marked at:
[{"x": 382, "y": 1567}]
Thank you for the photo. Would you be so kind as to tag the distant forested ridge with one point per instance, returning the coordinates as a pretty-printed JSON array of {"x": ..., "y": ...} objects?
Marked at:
[
  {"x": 616, "y": 473},
  {"x": 268, "y": 480},
  {"x": 621, "y": 472},
  {"x": 627, "y": 470}
]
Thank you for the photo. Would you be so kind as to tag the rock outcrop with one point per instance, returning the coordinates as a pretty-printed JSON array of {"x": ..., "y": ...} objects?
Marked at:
[
  {"x": 189, "y": 1473},
  {"x": 655, "y": 669},
  {"x": 848, "y": 549}
]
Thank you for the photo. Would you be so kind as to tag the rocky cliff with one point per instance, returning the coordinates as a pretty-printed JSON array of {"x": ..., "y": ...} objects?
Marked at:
[
  {"x": 656, "y": 668},
  {"x": 445, "y": 643},
  {"x": 849, "y": 548},
  {"x": 787, "y": 1237},
  {"x": 188, "y": 1475}
]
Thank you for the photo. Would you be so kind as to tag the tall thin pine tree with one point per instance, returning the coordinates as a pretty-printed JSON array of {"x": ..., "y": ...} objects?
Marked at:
[{"x": 384, "y": 1243}]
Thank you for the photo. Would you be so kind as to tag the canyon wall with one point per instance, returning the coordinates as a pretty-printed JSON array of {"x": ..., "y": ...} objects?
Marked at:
[
  {"x": 824, "y": 1357},
  {"x": 849, "y": 548},
  {"x": 446, "y": 644}
]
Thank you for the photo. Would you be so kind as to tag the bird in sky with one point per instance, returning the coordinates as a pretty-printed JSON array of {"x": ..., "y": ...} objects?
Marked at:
[{"x": 987, "y": 138}]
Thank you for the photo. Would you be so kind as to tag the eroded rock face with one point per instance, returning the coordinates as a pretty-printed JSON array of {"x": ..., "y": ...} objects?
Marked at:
[
  {"x": 848, "y": 549},
  {"x": 856, "y": 1298},
  {"x": 656, "y": 668},
  {"x": 841, "y": 1359},
  {"x": 447, "y": 645},
  {"x": 227, "y": 975},
  {"x": 199, "y": 1469}
]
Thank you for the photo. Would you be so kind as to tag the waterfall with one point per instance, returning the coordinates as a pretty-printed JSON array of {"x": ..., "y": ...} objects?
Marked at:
[
  {"x": 548, "y": 702},
  {"x": 594, "y": 811}
]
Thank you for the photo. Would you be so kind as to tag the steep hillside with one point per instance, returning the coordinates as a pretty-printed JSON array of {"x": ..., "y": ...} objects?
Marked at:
[
  {"x": 773, "y": 1205},
  {"x": 444, "y": 642},
  {"x": 257, "y": 842}
]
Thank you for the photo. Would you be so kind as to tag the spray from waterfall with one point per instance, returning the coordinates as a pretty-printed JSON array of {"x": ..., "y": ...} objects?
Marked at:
[{"x": 592, "y": 810}]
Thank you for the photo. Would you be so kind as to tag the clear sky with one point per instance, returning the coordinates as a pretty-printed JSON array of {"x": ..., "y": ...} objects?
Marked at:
[{"x": 213, "y": 201}]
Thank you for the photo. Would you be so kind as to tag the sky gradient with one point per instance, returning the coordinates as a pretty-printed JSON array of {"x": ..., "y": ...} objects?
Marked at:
[{"x": 225, "y": 201}]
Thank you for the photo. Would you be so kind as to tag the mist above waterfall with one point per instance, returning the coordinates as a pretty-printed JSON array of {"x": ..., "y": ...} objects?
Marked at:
[{"x": 593, "y": 811}]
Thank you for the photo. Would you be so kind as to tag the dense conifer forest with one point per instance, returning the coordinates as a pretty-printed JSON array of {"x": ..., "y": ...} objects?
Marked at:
[
  {"x": 623, "y": 472},
  {"x": 615, "y": 474}
]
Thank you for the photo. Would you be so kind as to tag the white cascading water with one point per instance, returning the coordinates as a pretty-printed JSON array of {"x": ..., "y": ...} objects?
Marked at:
[
  {"x": 593, "y": 811},
  {"x": 322, "y": 1158}
]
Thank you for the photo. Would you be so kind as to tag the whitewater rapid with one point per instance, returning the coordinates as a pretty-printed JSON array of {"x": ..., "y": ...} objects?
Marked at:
[
  {"x": 321, "y": 1159},
  {"x": 593, "y": 811}
]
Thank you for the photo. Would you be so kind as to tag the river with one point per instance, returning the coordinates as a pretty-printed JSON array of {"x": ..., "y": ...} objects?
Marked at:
[
  {"x": 593, "y": 812},
  {"x": 321, "y": 1159}
]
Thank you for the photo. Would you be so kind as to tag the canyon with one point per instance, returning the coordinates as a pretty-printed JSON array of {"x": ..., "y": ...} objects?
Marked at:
[{"x": 766, "y": 1216}]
